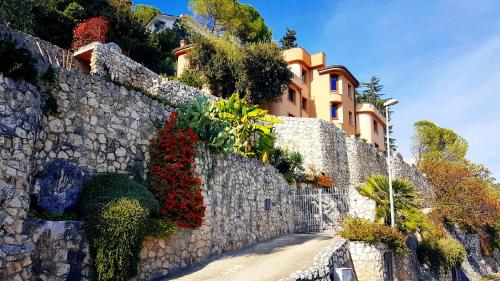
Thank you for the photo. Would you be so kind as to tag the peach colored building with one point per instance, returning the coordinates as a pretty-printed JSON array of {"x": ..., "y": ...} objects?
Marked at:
[
  {"x": 320, "y": 91},
  {"x": 371, "y": 124}
]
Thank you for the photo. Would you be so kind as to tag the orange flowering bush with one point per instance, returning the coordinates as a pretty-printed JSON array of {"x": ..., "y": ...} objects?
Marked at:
[
  {"x": 172, "y": 177},
  {"x": 92, "y": 30}
]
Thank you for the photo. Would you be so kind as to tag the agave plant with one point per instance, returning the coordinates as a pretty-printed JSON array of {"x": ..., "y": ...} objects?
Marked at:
[
  {"x": 231, "y": 126},
  {"x": 406, "y": 203}
]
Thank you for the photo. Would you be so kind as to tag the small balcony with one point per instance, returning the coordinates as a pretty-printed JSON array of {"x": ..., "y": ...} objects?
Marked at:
[
  {"x": 335, "y": 97},
  {"x": 370, "y": 108},
  {"x": 297, "y": 80}
]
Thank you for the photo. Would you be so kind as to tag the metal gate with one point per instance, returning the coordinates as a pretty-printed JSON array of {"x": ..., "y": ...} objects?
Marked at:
[{"x": 319, "y": 209}]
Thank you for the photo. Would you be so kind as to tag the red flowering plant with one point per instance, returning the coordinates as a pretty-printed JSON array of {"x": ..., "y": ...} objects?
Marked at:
[
  {"x": 92, "y": 30},
  {"x": 172, "y": 177}
]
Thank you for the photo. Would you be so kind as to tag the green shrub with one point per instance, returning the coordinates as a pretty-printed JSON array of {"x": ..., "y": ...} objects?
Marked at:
[
  {"x": 116, "y": 239},
  {"x": 192, "y": 79},
  {"x": 17, "y": 63},
  {"x": 160, "y": 228},
  {"x": 117, "y": 210},
  {"x": 105, "y": 188},
  {"x": 442, "y": 252},
  {"x": 357, "y": 229},
  {"x": 288, "y": 164}
]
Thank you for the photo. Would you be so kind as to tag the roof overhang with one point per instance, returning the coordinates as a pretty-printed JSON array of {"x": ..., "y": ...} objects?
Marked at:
[
  {"x": 177, "y": 52},
  {"x": 339, "y": 69}
]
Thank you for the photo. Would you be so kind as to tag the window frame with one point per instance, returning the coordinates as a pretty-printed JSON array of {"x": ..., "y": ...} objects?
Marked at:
[
  {"x": 294, "y": 98},
  {"x": 336, "y": 117},
  {"x": 336, "y": 76}
]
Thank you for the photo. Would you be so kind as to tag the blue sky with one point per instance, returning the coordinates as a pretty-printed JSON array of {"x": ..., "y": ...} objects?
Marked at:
[{"x": 440, "y": 58}]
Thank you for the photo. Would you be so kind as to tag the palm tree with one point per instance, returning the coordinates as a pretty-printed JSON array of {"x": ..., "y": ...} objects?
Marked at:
[{"x": 405, "y": 198}]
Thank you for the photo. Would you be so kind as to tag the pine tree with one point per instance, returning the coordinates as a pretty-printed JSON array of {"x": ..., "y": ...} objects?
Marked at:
[{"x": 289, "y": 40}]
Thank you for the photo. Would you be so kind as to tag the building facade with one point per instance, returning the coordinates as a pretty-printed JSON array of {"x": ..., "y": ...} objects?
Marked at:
[{"x": 320, "y": 91}]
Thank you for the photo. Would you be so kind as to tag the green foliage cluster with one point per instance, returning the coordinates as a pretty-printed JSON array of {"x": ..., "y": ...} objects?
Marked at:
[
  {"x": 233, "y": 18},
  {"x": 231, "y": 126},
  {"x": 105, "y": 188},
  {"x": 192, "y": 79},
  {"x": 160, "y": 228},
  {"x": 118, "y": 211},
  {"x": 17, "y": 14},
  {"x": 289, "y": 41},
  {"x": 431, "y": 139},
  {"x": 465, "y": 193},
  {"x": 144, "y": 13},
  {"x": 255, "y": 70},
  {"x": 407, "y": 213},
  {"x": 48, "y": 81},
  {"x": 357, "y": 229},
  {"x": 290, "y": 164},
  {"x": 54, "y": 21},
  {"x": 442, "y": 252},
  {"x": 17, "y": 63},
  {"x": 117, "y": 237}
]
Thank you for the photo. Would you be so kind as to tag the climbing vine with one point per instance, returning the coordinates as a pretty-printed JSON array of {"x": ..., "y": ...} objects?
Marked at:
[{"x": 172, "y": 177}]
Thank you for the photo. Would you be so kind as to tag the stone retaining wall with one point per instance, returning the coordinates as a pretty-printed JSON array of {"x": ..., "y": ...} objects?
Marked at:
[
  {"x": 368, "y": 261},
  {"x": 20, "y": 115},
  {"x": 109, "y": 63},
  {"x": 104, "y": 127},
  {"x": 235, "y": 189},
  {"x": 401, "y": 169},
  {"x": 45, "y": 53},
  {"x": 336, "y": 255}
]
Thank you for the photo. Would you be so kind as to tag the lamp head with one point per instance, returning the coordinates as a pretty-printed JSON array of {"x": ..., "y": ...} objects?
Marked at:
[{"x": 390, "y": 102}]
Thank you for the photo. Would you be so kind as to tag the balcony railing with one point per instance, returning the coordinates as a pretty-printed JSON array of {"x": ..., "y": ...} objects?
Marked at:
[{"x": 295, "y": 76}]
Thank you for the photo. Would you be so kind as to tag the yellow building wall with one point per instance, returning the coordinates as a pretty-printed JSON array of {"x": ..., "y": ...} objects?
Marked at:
[
  {"x": 323, "y": 97},
  {"x": 366, "y": 115}
]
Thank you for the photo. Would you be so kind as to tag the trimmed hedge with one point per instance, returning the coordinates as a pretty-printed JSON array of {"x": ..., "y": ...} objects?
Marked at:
[
  {"x": 357, "y": 229},
  {"x": 102, "y": 189},
  {"x": 117, "y": 211}
]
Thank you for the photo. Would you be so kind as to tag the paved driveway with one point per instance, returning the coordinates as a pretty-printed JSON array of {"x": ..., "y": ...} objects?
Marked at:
[{"x": 270, "y": 260}]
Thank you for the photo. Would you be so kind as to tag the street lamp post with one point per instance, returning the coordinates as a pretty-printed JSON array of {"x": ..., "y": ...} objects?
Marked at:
[{"x": 387, "y": 104}]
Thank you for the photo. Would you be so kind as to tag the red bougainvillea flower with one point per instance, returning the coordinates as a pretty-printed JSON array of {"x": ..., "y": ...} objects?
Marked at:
[
  {"x": 172, "y": 176},
  {"x": 92, "y": 30}
]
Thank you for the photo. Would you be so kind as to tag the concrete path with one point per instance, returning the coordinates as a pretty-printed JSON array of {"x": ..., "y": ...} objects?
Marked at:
[{"x": 270, "y": 260}]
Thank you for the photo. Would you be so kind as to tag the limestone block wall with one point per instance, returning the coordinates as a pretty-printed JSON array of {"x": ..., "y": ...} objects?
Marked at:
[
  {"x": 108, "y": 62},
  {"x": 401, "y": 169},
  {"x": 100, "y": 126},
  {"x": 44, "y": 52},
  {"x": 103, "y": 127},
  {"x": 364, "y": 161},
  {"x": 20, "y": 114},
  {"x": 336, "y": 255},
  {"x": 368, "y": 261},
  {"x": 235, "y": 190},
  {"x": 361, "y": 206}
]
